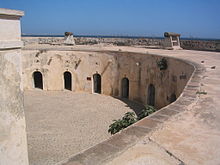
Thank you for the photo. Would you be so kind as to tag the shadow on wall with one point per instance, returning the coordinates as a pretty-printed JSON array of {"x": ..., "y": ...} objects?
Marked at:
[{"x": 135, "y": 106}]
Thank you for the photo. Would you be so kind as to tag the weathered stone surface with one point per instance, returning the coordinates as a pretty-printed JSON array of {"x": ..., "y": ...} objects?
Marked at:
[
  {"x": 73, "y": 123},
  {"x": 168, "y": 112},
  {"x": 189, "y": 95},
  {"x": 177, "y": 107},
  {"x": 112, "y": 66},
  {"x": 136, "y": 131},
  {"x": 74, "y": 163},
  {"x": 189, "y": 86},
  {"x": 148, "y": 123},
  {"x": 13, "y": 142},
  {"x": 174, "y": 136},
  {"x": 122, "y": 140},
  {"x": 159, "y": 117},
  {"x": 10, "y": 29},
  {"x": 95, "y": 155},
  {"x": 184, "y": 101},
  {"x": 204, "y": 116},
  {"x": 107, "y": 149},
  {"x": 147, "y": 42},
  {"x": 145, "y": 152}
]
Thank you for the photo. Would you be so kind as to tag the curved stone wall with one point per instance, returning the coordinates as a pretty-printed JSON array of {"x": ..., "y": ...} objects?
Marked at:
[
  {"x": 120, "y": 142},
  {"x": 141, "y": 70}
]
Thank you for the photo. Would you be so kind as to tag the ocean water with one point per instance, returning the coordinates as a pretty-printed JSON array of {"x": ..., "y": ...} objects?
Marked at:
[{"x": 131, "y": 37}]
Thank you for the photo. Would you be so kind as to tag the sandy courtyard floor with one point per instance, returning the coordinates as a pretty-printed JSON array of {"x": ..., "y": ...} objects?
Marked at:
[{"x": 60, "y": 124}]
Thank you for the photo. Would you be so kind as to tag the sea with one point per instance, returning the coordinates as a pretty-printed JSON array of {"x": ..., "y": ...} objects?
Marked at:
[{"x": 131, "y": 37}]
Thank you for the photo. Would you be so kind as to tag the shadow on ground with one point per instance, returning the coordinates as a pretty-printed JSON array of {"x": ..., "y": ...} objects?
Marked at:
[{"x": 135, "y": 106}]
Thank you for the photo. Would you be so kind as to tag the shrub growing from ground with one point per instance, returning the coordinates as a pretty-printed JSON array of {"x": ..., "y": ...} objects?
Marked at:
[
  {"x": 145, "y": 112},
  {"x": 128, "y": 119}
]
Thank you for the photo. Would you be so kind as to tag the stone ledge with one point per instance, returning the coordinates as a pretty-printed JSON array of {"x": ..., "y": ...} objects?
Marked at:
[
  {"x": 10, "y": 44},
  {"x": 159, "y": 117},
  {"x": 168, "y": 112},
  {"x": 109, "y": 148},
  {"x": 10, "y": 12},
  {"x": 95, "y": 155},
  {"x": 128, "y": 137},
  {"x": 185, "y": 100},
  {"x": 189, "y": 94}
]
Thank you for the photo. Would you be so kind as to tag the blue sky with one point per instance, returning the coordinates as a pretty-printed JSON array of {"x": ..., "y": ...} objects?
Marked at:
[{"x": 191, "y": 18}]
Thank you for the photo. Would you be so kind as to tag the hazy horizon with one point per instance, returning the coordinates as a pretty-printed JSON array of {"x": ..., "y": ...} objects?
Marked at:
[
  {"x": 100, "y": 35},
  {"x": 190, "y": 18}
]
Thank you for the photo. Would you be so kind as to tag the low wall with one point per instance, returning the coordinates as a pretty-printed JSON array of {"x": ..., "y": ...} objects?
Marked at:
[
  {"x": 201, "y": 45},
  {"x": 93, "y": 40},
  {"x": 42, "y": 40},
  {"x": 207, "y": 45}
]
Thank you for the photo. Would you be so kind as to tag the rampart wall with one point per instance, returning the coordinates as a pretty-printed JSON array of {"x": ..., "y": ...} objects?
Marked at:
[
  {"x": 207, "y": 45},
  {"x": 140, "y": 69}
]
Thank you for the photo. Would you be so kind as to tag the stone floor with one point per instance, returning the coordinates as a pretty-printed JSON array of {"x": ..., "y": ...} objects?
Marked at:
[{"x": 60, "y": 124}]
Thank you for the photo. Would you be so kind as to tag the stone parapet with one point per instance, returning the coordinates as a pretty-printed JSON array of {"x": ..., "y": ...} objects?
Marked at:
[
  {"x": 10, "y": 30},
  {"x": 205, "y": 45}
]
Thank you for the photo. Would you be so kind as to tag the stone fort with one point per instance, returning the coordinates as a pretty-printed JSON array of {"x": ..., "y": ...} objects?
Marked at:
[{"x": 180, "y": 89}]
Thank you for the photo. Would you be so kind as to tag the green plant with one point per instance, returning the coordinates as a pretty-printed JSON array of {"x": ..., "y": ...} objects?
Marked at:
[
  {"x": 128, "y": 119},
  {"x": 162, "y": 64},
  {"x": 147, "y": 111},
  {"x": 116, "y": 126}
]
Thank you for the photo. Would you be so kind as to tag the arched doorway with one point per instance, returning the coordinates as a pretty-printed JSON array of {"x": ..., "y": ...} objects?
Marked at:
[
  {"x": 97, "y": 83},
  {"x": 125, "y": 88},
  {"x": 67, "y": 80},
  {"x": 172, "y": 98},
  {"x": 38, "y": 80},
  {"x": 151, "y": 95}
]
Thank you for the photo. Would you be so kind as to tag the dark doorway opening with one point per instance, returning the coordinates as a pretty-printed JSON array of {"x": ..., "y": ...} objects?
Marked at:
[
  {"x": 38, "y": 80},
  {"x": 172, "y": 98},
  {"x": 97, "y": 82},
  {"x": 125, "y": 88},
  {"x": 151, "y": 95},
  {"x": 67, "y": 80}
]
